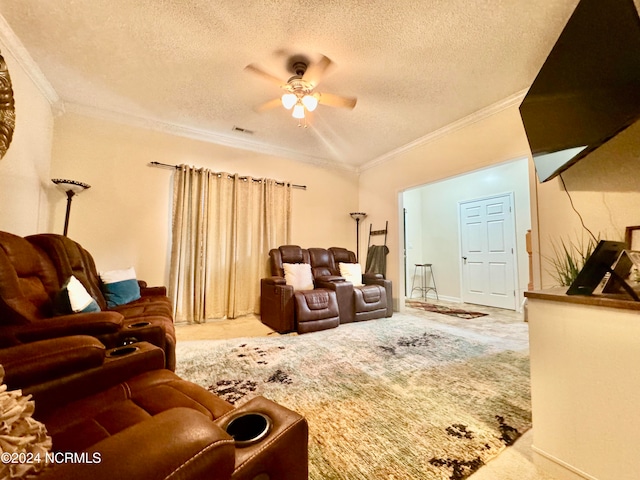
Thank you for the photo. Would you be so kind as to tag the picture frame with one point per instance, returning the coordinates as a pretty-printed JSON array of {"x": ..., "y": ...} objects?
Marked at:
[{"x": 632, "y": 237}]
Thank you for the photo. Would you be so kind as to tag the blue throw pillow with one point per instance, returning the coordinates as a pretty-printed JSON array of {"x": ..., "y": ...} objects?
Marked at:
[
  {"x": 74, "y": 298},
  {"x": 120, "y": 286}
]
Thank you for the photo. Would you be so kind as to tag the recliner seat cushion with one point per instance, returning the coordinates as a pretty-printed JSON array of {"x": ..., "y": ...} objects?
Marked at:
[
  {"x": 90, "y": 420},
  {"x": 316, "y": 310},
  {"x": 370, "y": 298}
]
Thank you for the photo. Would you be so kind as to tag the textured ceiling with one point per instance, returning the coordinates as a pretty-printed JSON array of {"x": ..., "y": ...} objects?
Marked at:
[{"x": 415, "y": 66}]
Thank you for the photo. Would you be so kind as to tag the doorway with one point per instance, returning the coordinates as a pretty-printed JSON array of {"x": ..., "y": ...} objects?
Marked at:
[
  {"x": 432, "y": 226},
  {"x": 488, "y": 251}
]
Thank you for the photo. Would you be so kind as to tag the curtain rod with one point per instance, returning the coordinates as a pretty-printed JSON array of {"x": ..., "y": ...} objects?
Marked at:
[{"x": 166, "y": 165}]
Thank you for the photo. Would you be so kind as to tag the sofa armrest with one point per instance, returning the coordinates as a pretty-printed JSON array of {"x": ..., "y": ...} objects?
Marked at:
[
  {"x": 177, "y": 443},
  {"x": 45, "y": 360},
  {"x": 283, "y": 454},
  {"x": 344, "y": 295},
  {"x": 329, "y": 278},
  {"x": 146, "y": 290},
  {"x": 377, "y": 279},
  {"x": 371, "y": 277},
  {"x": 93, "y": 324},
  {"x": 115, "y": 369},
  {"x": 273, "y": 281}
]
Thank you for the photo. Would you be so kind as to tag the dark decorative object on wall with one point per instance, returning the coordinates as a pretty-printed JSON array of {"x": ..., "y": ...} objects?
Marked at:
[{"x": 7, "y": 109}]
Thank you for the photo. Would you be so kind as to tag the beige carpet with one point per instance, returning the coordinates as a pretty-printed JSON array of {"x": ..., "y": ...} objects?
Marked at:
[{"x": 514, "y": 463}]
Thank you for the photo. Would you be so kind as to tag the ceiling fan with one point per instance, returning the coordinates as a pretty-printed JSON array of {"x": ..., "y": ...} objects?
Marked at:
[{"x": 299, "y": 95}]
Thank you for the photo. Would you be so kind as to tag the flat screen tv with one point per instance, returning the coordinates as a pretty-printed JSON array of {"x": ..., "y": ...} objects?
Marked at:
[{"x": 588, "y": 89}]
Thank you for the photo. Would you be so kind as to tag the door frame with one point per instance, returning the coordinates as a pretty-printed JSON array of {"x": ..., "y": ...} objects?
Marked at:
[{"x": 514, "y": 243}]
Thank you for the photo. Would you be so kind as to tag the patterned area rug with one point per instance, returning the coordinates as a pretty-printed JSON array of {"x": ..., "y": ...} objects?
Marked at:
[
  {"x": 454, "y": 312},
  {"x": 396, "y": 398}
]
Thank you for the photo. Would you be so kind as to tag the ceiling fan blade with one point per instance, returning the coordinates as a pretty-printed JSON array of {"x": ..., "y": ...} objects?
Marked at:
[
  {"x": 267, "y": 76},
  {"x": 316, "y": 71},
  {"x": 276, "y": 102},
  {"x": 332, "y": 100}
]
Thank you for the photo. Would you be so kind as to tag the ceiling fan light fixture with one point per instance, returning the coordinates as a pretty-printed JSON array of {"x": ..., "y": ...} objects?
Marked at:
[
  {"x": 298, "y": 111},
  {"x": 310, "y": 102},
  {"x": 289, "y": 100}
]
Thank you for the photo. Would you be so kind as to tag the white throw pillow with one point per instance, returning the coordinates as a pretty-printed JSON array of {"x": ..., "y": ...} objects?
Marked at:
[
  {"x": 298, "y": 275},
  {"x": 352, "y": 272}
]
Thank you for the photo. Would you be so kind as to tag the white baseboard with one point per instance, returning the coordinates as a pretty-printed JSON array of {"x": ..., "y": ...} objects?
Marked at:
[
  {"x": 432, "y": 296},
  {"x": 556, "y": 467}
]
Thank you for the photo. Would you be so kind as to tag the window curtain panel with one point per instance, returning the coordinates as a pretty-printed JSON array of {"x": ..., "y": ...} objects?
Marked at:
[{"x": 223, "y": 227}]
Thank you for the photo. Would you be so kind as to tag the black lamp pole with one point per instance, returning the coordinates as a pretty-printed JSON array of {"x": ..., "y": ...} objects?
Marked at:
[
  {"x": 357, "y": 216},
  {"x": 70, "y": 194}
]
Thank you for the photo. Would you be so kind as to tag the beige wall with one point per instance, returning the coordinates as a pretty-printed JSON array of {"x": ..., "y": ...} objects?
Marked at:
[
  {"x": 605, "y": 189},
  {"x": 124, "y": 218},
  {"x": 25, "y": 185},
  {"x": 604, "y": 186},
  {"x": 489, "y": 141}
]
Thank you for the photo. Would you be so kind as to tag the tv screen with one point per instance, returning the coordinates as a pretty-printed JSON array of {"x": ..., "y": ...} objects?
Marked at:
[{"x": 588, "y": 89}]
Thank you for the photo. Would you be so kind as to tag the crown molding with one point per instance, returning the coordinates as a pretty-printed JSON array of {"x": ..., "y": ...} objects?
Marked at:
[
  {"x": 24, "y": 59},
  {"x": 477, "y": 116},
  {"x": 197, "y": 134}
]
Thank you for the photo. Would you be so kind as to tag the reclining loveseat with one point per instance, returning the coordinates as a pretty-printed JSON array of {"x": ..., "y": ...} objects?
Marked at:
[
  {"x": 34, "y": 270},
  {"x": 306, "y": 288},
  {"x": 118, "y": 413}
]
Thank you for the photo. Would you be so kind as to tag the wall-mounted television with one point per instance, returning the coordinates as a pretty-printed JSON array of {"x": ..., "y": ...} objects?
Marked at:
[{"x": 588, "y": 89}]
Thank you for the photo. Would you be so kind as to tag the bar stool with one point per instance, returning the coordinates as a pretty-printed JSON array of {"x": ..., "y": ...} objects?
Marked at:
[{"x": 424, "y": 286}]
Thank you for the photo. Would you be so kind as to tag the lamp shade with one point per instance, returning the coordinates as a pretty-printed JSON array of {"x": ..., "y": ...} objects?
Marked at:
[
  {"x": 70, "y": 185},
  {"x": 310, "y": 102},
  {"x": 298, "y": 111},
  {"x": 357, "y": 216},
  {"x": 289, "y": 100}
]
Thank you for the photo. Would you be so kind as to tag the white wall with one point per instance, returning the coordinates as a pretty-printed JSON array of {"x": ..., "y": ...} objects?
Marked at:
[
  {"x": 438, "y": 219},
  {"x": 124, "y": 218},
  {"x": 25, "y": 185}
]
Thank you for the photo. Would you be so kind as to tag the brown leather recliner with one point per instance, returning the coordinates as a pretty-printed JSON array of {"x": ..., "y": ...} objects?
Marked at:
[
  {"x": 33, "y": 270},
  {"x": 152, "y": 311},
  {"x": 342, "y": 255},
  {"x": 139, "y": 420},
  {"x": 286, "y": 310},
  {"x": 369, "y": 301}
]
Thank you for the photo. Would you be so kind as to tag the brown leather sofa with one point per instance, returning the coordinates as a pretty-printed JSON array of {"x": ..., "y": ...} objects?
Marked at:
[
  {"x": 286, "y": 310},
  {"x": 281, "y": 307},
  {"x": 366, "y": 302},
  {"x": 128, "y": 417},
  {"x": 33, "y": 270}
]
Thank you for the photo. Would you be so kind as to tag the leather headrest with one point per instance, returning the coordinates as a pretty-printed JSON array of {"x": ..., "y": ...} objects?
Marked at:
[
  {"x": 291, "y": 254},
  {"x": 342, "y": 255}
]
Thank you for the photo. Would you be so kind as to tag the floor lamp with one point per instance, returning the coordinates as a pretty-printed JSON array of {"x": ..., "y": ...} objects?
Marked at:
[
  {"x": 71, "y": 188},
  {"x": 357, "y": 216}
]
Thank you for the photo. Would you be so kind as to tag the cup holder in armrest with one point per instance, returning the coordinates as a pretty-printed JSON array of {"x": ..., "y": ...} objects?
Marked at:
[
  {"x": 249, "y": 428},
  {"x": 139, "y": 325},
  {"x": 121, "y": 351}
]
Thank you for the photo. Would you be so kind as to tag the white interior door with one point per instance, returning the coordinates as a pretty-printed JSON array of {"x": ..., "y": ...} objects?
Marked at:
[{"x": 487, "y": 237}]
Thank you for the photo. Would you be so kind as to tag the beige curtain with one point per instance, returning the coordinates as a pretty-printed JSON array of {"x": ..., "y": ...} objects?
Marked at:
[{"x": 223, "y": 228}]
